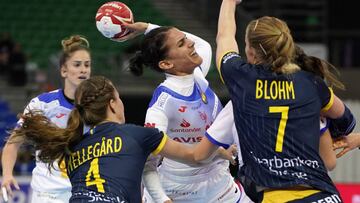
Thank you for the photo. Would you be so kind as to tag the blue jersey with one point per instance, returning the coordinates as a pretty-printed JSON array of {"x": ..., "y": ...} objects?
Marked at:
[
  {"x": 106, "y": 166},
  {"x": 277, "y": 119}
]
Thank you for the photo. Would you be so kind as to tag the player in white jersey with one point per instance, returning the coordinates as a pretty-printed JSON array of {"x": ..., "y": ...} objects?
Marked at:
[
  {"x": 183, "y": 106},
  {"x": 54, "y": 187}
]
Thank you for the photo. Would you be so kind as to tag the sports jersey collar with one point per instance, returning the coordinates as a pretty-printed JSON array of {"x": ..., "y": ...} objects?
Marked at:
[
  {"x": 180, "y": 84},
  {"x": 185, "y": 80},
  {"x": 71, "y": 101},
  {"x": 63, "y": 101},
  {"x": 101, "y": 126}
]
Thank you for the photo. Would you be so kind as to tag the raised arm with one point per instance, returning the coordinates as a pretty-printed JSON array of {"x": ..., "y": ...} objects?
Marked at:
[
  {"x": 225, "y": 40},
  {"x": 203, "y": 48}
]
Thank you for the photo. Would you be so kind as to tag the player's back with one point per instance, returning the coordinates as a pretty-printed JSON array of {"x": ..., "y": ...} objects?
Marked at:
[
  {"x": 277, "y": 119},
  {"x": 107, "y": 164}
]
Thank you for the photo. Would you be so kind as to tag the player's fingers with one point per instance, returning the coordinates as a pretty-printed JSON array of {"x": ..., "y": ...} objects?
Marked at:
[
  {"x": 343, "y": 152},
  {"x": 138, "y": 26},
  {"x": 9, "y": 190},
  {"x": 16, "y": 185},
  {"x": 4, "y": 194},
  {"x": 131, "y": 26},
  {"x": 339, "y": 144},
  {"x": 233, "y": 149},
  {"x": 132, "y": 34},
  {"x": 123, "y": 39},
  {"x": 233, "y": 160}
]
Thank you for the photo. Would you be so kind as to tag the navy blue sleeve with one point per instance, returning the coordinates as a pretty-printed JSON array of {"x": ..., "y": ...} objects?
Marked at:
[
  {"x": 150, "y": 139},
  {"x": 343, "y": 125},
  {"x": 232, "y": 65}
]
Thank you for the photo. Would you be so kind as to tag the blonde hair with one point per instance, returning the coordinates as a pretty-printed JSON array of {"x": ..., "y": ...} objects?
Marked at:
[
  {"x": 72, "y": 44},
  {"x": 273, "y": 43}
]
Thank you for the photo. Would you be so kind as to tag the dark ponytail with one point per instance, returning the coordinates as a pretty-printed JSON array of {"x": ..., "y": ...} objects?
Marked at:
[
  {"x": 152, "y": 50},
  {"x": 136, "y": 64},
  {"x": 318, "y": 67}
]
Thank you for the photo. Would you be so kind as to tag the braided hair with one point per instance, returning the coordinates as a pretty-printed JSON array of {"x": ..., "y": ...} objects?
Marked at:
[{"x": 92, "y": 98}]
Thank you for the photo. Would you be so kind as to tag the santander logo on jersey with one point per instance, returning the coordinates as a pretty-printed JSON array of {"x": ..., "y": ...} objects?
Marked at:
[
  {"x": 185, "y": 128},
  {"x": 185, "y": 124}
]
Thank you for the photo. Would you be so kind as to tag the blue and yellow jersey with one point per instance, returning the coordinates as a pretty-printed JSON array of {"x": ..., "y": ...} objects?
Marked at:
[
  {"x": 277, "y": 119},
  {"x": 106, "y": 166}
]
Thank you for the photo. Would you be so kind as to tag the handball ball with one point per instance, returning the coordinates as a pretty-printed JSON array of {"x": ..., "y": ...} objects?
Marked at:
[{"x": 111, "y": 17}]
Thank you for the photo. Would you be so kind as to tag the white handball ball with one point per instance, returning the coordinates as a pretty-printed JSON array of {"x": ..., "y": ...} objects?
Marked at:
[{"x": 111, "y": 17}]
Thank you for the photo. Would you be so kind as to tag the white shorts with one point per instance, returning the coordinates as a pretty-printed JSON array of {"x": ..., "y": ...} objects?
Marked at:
[
  {"x": 218, "y": 188},
  {"x": 50, "y": 197}
]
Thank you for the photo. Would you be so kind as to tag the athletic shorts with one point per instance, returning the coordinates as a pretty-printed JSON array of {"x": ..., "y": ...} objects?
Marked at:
[
  {"x": 50, "y": 197},
  {"x": 216, "y": 188},
  {"x": 299, "y": 195}
]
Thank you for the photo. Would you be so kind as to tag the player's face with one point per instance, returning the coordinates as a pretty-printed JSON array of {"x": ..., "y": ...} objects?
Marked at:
[
  {"x": 181, "y": 57},
  {"x": 76, "y": 69}
]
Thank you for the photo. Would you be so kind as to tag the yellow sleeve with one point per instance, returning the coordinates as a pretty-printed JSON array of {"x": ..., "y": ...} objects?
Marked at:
[
  {"x": 330, "y": 103},
  {"x": 161, "y": 145}
]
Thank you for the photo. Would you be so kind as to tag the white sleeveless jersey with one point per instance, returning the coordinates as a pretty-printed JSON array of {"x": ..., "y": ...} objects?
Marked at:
[
  {"x": 57, "y": 109},
  {"x": 187, "y": 117}
]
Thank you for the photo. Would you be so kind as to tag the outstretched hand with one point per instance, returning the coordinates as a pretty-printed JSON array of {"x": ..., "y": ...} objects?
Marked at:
[
  {"x": 135, "y": 29},
  {"x": 346, "y": 143},
  {"x": 8, "y": 181}
]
